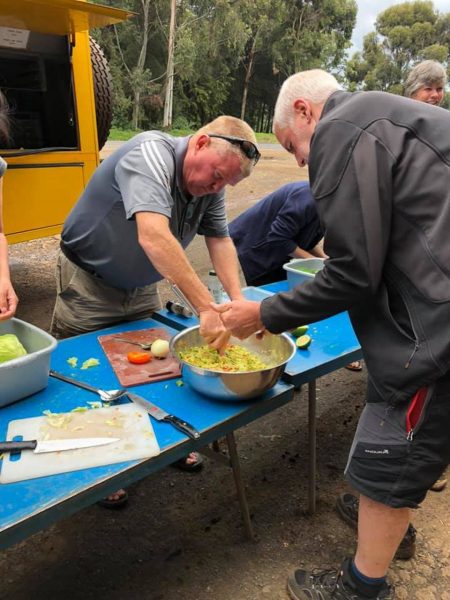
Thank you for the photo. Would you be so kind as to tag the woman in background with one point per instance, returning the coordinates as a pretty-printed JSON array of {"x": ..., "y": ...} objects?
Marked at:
[
  {"x": 426, "y": 82},
  {"x": 8, "y": 298}
]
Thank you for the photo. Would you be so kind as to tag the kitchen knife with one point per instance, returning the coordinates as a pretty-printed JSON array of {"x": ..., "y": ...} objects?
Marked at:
[
  {"x": 55, "y": 445},
  {"x": 161, "y": 415}
]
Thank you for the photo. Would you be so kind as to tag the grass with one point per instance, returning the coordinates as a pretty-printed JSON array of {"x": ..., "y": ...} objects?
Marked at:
[{"x": 125, "y": 134}]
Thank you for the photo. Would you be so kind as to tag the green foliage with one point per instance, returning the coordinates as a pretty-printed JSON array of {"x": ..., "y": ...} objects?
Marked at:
[
  {"x": 117, "y": 134},
  {"x": 405, "y": 34},
  {"x": 316, "y": 34},
  {"x": 232, "y": 55}
]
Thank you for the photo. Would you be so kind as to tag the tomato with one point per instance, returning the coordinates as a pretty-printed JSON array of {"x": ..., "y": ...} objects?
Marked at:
[{"x": 139, "y": 358}]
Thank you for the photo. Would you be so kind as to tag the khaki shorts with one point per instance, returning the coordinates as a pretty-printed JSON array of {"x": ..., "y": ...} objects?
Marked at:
[{"x": 84, "y": 302}]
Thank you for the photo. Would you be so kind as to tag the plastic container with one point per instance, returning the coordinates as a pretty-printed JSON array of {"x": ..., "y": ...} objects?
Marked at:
[
  {"x": 27, "y": 374},
  {"x": 300, "y": 270}
]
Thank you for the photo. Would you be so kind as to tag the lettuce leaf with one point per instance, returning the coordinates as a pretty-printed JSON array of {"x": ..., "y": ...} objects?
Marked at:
[{"x": 10, "y": 347}]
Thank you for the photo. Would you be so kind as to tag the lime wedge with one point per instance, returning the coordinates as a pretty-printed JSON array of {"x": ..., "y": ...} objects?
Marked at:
[
  {"x": 303, "y": 342},
  {"x": 301, "y": 330}
]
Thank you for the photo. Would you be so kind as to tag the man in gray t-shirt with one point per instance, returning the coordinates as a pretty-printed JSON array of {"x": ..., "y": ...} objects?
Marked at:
[{"x": 140, "y": 210}]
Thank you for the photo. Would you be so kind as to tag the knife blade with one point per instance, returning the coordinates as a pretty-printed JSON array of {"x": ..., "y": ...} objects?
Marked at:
[
  {"x": 161, "y": 415},
  {"x": 39, "y": 447}
]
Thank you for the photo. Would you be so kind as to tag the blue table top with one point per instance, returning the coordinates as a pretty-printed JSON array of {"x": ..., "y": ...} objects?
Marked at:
[
  {"x": 27, "y": 506},
  {"x": 334, "y": 343}
]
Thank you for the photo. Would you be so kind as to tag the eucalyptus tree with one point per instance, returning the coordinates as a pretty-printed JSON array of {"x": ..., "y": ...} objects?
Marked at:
[
  {"x": 316, "y": 34},
  {"x": 262, "y": 20},
  {"x": 136, "y": 50},
  {"x": 209, "y": 43},
  {"x": 404, "y": 35}
]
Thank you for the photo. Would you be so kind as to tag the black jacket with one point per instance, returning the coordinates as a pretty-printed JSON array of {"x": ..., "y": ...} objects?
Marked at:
[{"x": 380, "y": 173}]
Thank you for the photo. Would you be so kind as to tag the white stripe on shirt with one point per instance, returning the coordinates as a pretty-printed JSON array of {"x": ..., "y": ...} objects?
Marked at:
[{"x": 155, "y": 164}]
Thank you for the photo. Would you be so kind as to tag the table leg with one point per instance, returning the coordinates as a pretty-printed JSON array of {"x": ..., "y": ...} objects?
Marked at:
[
  {"x": 242, "y": 498},
  {"x": 312, "y": 446}
]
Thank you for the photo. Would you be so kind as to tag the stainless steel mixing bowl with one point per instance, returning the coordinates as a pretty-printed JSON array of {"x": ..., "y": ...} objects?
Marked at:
[{"x": 275, "y": 350}]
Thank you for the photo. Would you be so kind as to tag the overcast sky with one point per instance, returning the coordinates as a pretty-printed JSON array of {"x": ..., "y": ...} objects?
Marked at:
[{"x": 368, "y": 11}]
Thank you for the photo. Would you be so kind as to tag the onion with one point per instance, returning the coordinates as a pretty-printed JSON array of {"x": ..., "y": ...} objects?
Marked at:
[{"x": 160, "y": 348}]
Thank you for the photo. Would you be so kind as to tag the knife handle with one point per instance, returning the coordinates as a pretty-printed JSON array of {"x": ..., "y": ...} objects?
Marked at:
[
  {"x": 17, "y": 446},
  {"x": 183, "y": 426}
]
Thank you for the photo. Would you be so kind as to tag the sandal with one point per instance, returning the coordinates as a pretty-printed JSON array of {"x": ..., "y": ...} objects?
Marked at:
[
  {"x": 192, "y": 467},
  {"x": 110, "y": 502},
  {"x": 439, "y": 484},
  {"x": 354, "y": 366}
]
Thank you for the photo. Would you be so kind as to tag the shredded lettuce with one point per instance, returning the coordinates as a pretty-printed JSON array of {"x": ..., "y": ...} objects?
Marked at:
[
  {"x": 73, "y": 361},
  {"x": 234, "y": 359},
  {"x": 90, "y": 362}
]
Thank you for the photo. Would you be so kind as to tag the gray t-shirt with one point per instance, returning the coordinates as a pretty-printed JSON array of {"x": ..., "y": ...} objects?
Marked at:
[
  {"x": 3, "y": 166},
  {"x": 143, "y": 175}
]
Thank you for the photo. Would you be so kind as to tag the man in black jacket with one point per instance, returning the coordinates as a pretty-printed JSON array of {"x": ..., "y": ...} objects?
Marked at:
[{"x": 380, "y": 173}]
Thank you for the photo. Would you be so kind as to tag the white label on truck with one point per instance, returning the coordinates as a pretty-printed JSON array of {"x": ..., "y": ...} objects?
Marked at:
[{"x": 10, "y": 37}]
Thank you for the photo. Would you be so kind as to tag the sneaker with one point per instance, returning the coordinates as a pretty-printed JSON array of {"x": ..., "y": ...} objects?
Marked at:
[
  {"x": 329, "y": 585},
  {"x": 347, "y": 506}
]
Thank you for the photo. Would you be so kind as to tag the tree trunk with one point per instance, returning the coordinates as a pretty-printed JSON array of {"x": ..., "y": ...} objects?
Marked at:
[
  {"x": 141, "y": 63},
  {"x": 135, "y": 115},
  {"x": 168, "y": 101},
  {"x": 248, "y": 75}
]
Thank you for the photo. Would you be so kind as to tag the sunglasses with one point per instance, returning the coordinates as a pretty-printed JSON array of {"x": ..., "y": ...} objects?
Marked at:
[{"x": 248, "y": 148}]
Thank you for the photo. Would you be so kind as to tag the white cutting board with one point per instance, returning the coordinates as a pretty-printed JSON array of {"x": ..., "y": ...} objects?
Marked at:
[{"x": 128, "y": 422}]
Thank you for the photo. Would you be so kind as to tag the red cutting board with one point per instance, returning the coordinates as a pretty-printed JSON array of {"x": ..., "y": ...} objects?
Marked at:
[{"x": 129, "y": 374}]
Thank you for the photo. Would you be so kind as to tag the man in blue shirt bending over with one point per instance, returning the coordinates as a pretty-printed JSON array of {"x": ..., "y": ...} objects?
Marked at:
[{"x": 281, "y": 226}]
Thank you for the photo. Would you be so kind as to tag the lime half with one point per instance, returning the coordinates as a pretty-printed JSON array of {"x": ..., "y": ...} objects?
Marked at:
[
  {"x": 301, "y": 330},
  {"x": 303, "y": 342}
]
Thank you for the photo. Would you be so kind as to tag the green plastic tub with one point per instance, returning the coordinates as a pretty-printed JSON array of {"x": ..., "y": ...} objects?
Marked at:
[{"x": 300, "y": 270}]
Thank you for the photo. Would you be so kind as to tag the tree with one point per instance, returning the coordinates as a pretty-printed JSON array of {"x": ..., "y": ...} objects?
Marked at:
[
  {"x": 127, "y": 48},
  {"x": 404, "y": 35},
  {"x": 317, "y": 33},
  {"x": 261, "y": 20},
  {"x": 224, "y": 56}
]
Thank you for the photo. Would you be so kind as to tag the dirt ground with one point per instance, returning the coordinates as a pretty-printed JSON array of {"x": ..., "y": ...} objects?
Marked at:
[{"x": 180, "y": 536}]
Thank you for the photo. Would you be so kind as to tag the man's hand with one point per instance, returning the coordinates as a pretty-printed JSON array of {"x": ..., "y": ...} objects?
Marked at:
[
  {"x": 241, "y": 317},
  {"x": 213, "y": 330}
]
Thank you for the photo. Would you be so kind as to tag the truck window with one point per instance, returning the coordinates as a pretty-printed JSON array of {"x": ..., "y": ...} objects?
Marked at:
[{"x": 37, "y": 83}]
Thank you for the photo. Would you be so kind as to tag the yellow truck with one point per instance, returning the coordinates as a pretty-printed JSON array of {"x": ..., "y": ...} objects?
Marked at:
[{"x": 58, "y": 86}]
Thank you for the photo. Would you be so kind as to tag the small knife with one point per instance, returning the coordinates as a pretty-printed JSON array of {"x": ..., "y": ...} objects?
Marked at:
[
  {"x": 55, "y": 445},
  {"x": 161, "y": 415}
]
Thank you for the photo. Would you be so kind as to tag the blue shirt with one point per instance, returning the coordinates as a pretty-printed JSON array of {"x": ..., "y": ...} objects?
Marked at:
[{"x": 267, "y": 233}]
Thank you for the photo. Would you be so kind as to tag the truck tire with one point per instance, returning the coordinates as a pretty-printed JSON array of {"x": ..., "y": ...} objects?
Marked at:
[{"x": 103, "y": 92}]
